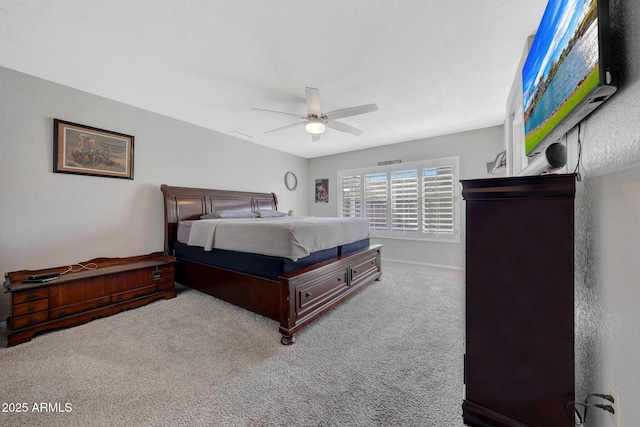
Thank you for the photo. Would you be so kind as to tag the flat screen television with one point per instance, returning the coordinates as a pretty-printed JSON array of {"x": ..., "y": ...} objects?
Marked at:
[{"x": 567, "y": 73}]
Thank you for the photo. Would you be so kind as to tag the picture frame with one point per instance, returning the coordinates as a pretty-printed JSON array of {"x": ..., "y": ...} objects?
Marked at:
[
  {"x": 322, "y": 190},
  {"x": 86, "y": 150}
]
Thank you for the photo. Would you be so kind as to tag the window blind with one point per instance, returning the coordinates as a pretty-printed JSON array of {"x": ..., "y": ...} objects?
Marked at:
[
  {"x": 375, "y": 200},
  {"x": 438, "y": 196},
  {"x": 404, "y": 200},
  {"x": 350, "y": 200}
]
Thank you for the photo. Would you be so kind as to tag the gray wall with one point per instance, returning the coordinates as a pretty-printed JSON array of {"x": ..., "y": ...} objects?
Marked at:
[
  {"x": 608, "y": 231},
  {"x": 49, "y": 219},
  {"x": 475, "y": 149}
]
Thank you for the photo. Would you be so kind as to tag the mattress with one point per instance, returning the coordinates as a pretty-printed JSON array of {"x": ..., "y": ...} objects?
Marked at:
[
  {"x": 268, "y": 267},
  {"x": 287, "y": 237}
]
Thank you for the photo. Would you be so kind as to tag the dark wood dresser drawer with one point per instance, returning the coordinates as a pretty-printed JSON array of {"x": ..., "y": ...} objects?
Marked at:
[
  {"x": 166, "y": 285},
  {"x": 29, "y": 320},
  {"x": 315, "y": 293},
  {"x": 30, "y": 295},
  {"x": 30, "y": 307},
  {"x": 123, "y": 296},
  {"x": 363, "y": 269},
  {"x": 70, "y": 309}
]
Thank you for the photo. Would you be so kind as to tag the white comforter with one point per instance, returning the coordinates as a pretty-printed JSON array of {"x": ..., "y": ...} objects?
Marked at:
[{"x": 289, "y": 237}]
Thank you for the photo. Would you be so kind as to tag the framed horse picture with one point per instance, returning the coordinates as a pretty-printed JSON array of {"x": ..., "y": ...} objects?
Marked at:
[{"x": 86, "y": 150}]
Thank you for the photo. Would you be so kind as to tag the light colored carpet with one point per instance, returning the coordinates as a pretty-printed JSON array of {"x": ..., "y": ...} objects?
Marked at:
[{"x": 390, "y": 356}]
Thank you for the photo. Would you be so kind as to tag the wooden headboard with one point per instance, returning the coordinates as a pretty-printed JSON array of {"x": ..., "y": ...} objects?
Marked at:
[{"x": 184, "y": 203}]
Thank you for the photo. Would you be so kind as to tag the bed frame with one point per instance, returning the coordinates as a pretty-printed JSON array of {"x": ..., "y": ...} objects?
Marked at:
[{"x": 295, "y": 299}]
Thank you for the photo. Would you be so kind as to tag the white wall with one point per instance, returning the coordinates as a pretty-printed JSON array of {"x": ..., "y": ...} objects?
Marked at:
[
  {"x": 607, "y": 226},
  {"x": 50, "y": 219},
  {"x": 475, "y": 149}
]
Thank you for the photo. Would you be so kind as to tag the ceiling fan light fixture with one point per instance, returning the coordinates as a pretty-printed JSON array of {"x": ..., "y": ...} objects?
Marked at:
[
  {"x": 315, "y": 126},
  {"x": 316, "y": 122}
]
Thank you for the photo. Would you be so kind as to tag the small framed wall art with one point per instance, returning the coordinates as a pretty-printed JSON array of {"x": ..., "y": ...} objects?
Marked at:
[
  {"x": 86, "y": 150},
  {"x": 322, "y": 190}
]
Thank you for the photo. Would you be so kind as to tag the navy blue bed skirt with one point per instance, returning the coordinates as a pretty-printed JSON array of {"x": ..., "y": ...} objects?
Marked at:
[{"x": 264, "y": 266}]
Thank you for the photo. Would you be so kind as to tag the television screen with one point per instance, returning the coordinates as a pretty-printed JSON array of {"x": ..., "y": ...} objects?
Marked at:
[{"x": 566, "y": 74}]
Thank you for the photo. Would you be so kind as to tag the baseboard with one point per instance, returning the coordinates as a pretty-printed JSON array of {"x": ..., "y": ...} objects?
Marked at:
[{"x": 424, "y": 264}]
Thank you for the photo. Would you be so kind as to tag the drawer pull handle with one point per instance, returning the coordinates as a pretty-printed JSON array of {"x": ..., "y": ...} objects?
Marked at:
[
  {"x": 101, "y": 302},
  {"x": 32, "y": 320},
  {"x": 339, "y": 279},
  {"x": 308, "y": 295},
  {"x": 355, "y": 271},
  {"x": 150, "y": 290},
  {"x": 61, "y": 312},
  {"x": 119, "y": 297},
  {"x": 32, "y": 307},
  {"x": 31, "y": 295}
]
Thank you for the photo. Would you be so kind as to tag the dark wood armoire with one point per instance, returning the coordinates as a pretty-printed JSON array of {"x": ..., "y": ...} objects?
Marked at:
[{"x": 519, "y": 350}]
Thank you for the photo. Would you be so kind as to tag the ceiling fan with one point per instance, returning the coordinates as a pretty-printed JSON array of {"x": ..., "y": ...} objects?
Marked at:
[{"x": 316, "y": 122}]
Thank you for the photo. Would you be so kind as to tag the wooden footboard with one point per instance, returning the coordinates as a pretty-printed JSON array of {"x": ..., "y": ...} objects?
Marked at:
[
  {"x": 298, "y": 297},
  {"x": 319, "y": 288}
]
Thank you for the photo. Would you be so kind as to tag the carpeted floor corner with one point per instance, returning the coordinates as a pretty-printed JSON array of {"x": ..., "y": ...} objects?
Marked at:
[{"x": 390, "y": 356}]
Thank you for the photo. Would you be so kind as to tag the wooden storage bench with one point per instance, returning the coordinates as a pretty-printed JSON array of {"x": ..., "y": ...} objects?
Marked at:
[{"x": 77, "y": 297}]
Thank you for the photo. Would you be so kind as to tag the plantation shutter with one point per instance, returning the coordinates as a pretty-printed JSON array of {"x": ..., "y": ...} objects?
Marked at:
[
  {"x": 404, "y": 200},
  {"x": 438, "y": 200},
  {"x": 414, "y": 200},
  {"x": 351, "y": 201},
  {"x": 375, "y": 200}
]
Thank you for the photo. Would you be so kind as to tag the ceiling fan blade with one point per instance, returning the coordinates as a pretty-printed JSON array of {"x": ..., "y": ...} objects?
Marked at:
[
  {"x": 286, "y": 127},
  {"x": 351, "y": 111},
  {"x": 313, "y": 101},
  {"x": 343, "y": 128},
  {"x": 315, "y": 137},
  {"x": 280, "y": 112}
]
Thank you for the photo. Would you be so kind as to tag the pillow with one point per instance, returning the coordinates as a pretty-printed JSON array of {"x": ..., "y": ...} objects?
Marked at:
[
  {"x": 229, "y": 214},
  {"x": 268, "y": 213}
]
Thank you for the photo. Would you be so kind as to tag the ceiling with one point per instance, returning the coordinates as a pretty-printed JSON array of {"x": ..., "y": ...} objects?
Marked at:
[{"x": 432, "y": 67}]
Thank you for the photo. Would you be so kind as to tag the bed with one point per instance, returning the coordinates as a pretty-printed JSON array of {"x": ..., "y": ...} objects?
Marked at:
[{"x": 290, "y": 290}]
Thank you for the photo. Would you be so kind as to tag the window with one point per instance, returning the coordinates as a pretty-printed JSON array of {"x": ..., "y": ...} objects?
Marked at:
[
  {"x": 416, "y": 200},
  {"x": 404, "y": 200},
  {"x": 438, "y": 195},
  {"x": 351, "y": 197},
  {"x": 375, "y": 200}
]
